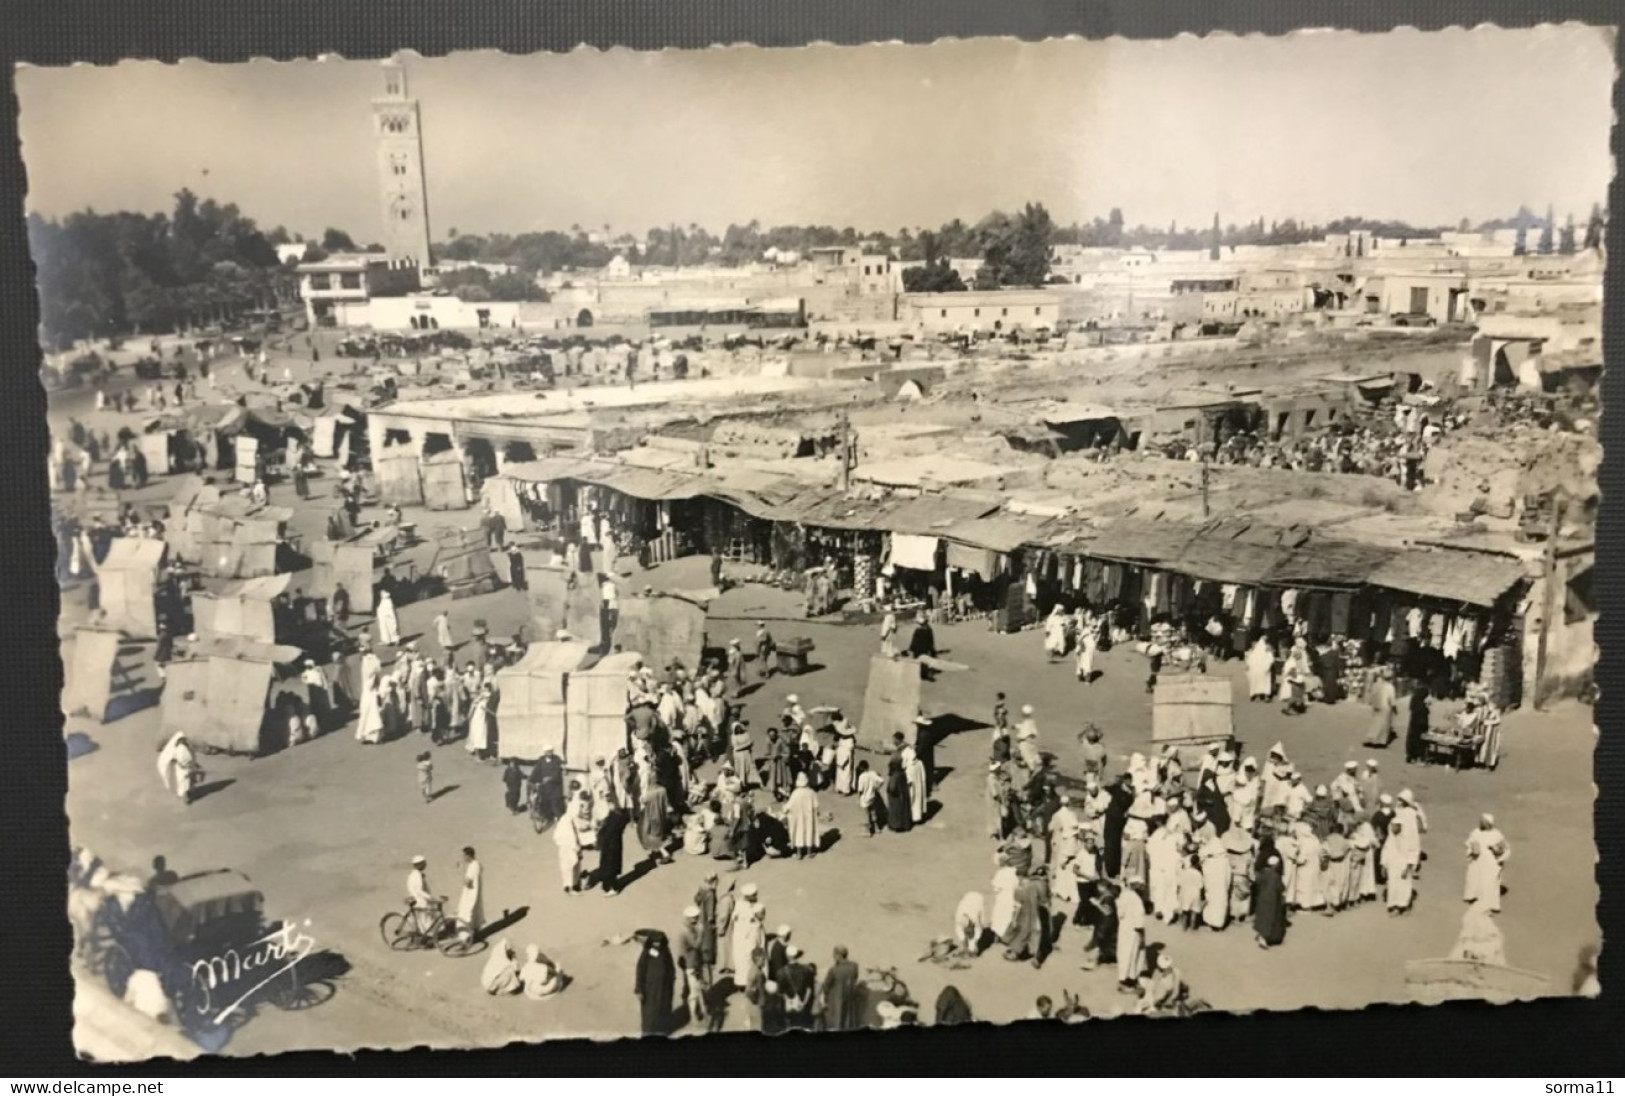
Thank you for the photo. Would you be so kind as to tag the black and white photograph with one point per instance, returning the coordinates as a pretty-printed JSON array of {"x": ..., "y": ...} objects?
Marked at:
[{"x": 662, "y": 543}]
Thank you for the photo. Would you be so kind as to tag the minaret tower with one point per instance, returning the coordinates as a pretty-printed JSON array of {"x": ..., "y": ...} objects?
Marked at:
[{"x": 404, "y": 193}]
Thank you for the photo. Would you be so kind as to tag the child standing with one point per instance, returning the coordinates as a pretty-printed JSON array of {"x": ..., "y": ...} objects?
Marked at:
[
  {"x": 1001, "y": 718},
  {"x": 426, "y": 776},
  {"x": 1190, "y": 893}
]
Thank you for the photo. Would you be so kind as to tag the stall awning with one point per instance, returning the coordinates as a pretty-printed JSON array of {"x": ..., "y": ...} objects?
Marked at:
[
  {"x": 1329, "y": 563},
  {"x": 1229, "y": 561},
  {"x": 140, "y": 554},
  {"x": 266, "y": 588},
  {"x": 1000, "y": 533},
  {"x": 933, "y": 515},
  {"x": 1142, "y": 541},
  {"x": 1474, "y": 578}
]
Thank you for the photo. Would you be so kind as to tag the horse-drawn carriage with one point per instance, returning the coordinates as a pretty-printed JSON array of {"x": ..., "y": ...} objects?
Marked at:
[{"x": 205, "y": 939}]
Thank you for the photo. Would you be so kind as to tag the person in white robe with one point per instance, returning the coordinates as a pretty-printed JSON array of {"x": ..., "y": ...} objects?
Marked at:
[
  {"x": 1487, "y": 852},
  {"x": 888, "y": 633},
  {"x": 442, "y": 632},
  {"x": 1242, "y": 802},
  {"x": 1055, "y": 634},
  {"x": 1215, "y": 883},
  {"x": 479, "y": 723},
  {"x": 1065, "y": 830},
  {"x": 1480, "y": 940},
  {"x": 1396, "y": 864},
  {"x": 918, "y": 784},
  {"x": 1088, "y": 644},
  {"x": 1309, "y": 881},
  {"x": 1003, "y": 914},
  {"x": 970, "y": 923},
  {"x": 178, "y": 767},
  {"x": 1260, "y": 663},
  {"x": 749, "y": 936},
  {"x": 1027, "y": 741},
  {"x": 471, "y": 899},
  {"x": 846, "y": 755},
  {"x": 1162, "y": 858},
  {"x": 389, "y": 625},
  {"x": 540, "y": 976},
  {"x": 501, "y": 974},
  {"x": 568, "y": 843},
  {"x": 1363, "y": 844},
  {"x": 369, "y": 726},
  {"x": 1415, "y": 824},
  {"x": 1130, "y": 938}
]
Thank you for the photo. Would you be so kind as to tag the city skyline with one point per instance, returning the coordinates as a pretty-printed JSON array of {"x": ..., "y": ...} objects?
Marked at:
[{"x": 1003, "y": 123}]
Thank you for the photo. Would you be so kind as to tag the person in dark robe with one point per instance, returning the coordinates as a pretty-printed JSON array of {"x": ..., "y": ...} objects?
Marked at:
[
  {"x": 654, "y": 823},
  {"x": 1269, "y": 905},
  {"x": 1321, "y": 813},
  {"x": 301, "y": 481},
  {"x": 1381, "y": 819},
  {"x": 898, "y": 816},
  {"x": 1023, "y": 940},
  {"x": 742, "y": 835},
  {"x": 656, "y": 981},
  {"x": 1330, "y": 667},
  {"x": 780, "y": 750},
  {"x": 775, "y": 1015},
  {"x": 1418, "y": 723},
  {"x": 547, "y": 777},
  {"x": 611, "y": 850},
  {"x": 1116, "y": 817},
  {"x": 1103, "y": 945},
  {"x": 923, "y": 644},
  {"x": 1210, "y": 802},
  {"x": 513, "y": 785},
  {"x": 341, "y": 605},
  {"x": 952, "y": 1008},
  {"x": 516, "y": 568},
  {"x": 800, "y": 984},
  {"x": 705, "y": 900},
  {"x": 842, "y": 995}
]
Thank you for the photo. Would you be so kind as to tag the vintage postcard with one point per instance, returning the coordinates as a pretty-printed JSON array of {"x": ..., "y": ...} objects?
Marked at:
[{"x": 628, "y": 543}]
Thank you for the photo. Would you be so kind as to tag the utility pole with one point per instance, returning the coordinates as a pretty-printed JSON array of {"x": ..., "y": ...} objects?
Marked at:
[
  {"x": 846, "y": 453},
  {"x": 1550, "y": 604},
  {"x": 1206, "y": 509}
]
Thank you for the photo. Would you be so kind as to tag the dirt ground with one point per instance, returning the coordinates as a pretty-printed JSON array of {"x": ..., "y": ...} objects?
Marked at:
[{"x": 327, "y": 830}]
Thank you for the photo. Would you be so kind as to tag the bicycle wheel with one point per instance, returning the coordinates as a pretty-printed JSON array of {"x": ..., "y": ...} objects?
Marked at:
[
  {"x": 454, "y": 945},
  {"x": 398, "y": 932}
]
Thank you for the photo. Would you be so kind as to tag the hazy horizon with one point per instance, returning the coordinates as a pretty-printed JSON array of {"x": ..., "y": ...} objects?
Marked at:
[{"x": 1426, "y": 128}]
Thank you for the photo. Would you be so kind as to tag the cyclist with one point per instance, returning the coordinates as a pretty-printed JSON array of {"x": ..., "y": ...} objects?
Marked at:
[{"x": 424, "y": 905}]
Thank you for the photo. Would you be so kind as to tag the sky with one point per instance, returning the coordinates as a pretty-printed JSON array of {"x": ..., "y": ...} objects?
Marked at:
[{"x": 1423, "y": 127}]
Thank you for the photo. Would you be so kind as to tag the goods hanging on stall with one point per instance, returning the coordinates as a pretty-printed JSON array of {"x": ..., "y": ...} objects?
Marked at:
[
  {"x": 225, "y": 693},
  {"x": 595, "y": 703},
  {"x": 533, "y": 691},
  {"x": 128, "y": 579},
  {"x": 891, "y": 702},
  {"x": 665, "y": 628}
]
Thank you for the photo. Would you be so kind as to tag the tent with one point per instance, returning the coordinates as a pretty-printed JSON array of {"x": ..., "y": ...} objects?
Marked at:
[
  {"x": 399, "y": 481},
  {"x": 533, "y": 700},
  {"x": 443, "y": 483},
  {"x": 98, "y": 682},
  {"x": 155, "y": 451},
  {"x": 1192, "y": 708},
  {"x": 223, "y": 695},
  {"x": 462, "y": 560},
  {"x": 595, "y": 710},
  {"x": 185, "y": 529},
  {"x": 891, "y": 702},
  {"x": 352, "y": 564},
  {"x": 240, "y": 540},
  {"x": 241, "y": 609},
  {"x": 127, "y": 579},
  {"x": 663, "y": 628},
  {"x": 555, "y": 604},
  {"x": 247, "y": 449}
]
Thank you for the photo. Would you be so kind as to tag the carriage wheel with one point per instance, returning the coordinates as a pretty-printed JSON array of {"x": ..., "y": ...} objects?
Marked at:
[
  {"x": 294, "y": 995},
  {"x": 398, "y": 932},
  {"x": 117, "y": 966}
]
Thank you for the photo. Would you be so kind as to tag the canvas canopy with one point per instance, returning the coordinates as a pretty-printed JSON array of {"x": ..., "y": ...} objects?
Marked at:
[
  {"x": 240, "y": 541},
  {"x": 664, "y": 628},
  {"x": 558, "y": 604},
  {"x": 246, "y": 448},
  {"x": 101, "y": 684},
  {"x": 1191, "y": 708},
  {"x": 222, "y": 701},
  {"x": 1475, "y": 578},
  {"x": 155, "y": 451},
  {"x": 891, "y": 702},
  {"x": 595, "y": 705},
  {"x": 242, "y": 609},
  {"x": 127, "y": 579},
  {"x": 350, "y": 564},
  {"x": 443, "y": 484},
  {"x": 533, "y": 715},
  {"x": 463, "y": 561},
  {"x": 397, "y": 476}
]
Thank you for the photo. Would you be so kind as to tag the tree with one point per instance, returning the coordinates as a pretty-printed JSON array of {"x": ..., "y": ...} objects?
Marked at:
[
  {"x": 1214, "y": 242},
  {"x": 1546, "y": 227},
  {"x": 1594, "y": 229},
  {"x": 936, "y": 276},
  {"x": 335, "y": 240},
  {"x": 1114, "y": 228},
  {"x": 1565, "y": 244}
]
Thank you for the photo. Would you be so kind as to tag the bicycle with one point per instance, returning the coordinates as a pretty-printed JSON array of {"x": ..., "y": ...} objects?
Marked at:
[{"x": 406, "y": 931}]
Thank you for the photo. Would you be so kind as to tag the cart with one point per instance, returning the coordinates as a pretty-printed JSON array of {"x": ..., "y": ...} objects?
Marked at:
[
  {"x": 792, "y": 655},
  {"x": 206, "y": 938}
]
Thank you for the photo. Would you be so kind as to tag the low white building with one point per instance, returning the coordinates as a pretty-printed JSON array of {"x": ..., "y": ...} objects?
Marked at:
[{"x": 982, "y": 310}]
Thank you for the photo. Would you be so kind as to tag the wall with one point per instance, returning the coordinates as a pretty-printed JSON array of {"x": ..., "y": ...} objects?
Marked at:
[
  {"x": 1571, "y": 651},
  {"x": 982, "y": 311},
  {"x": 1397, "y": 295}
]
